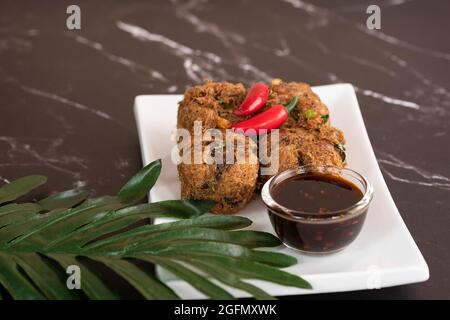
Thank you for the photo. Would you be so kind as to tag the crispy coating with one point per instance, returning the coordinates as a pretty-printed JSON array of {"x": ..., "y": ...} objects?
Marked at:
[
  {"x": 310, "y": 113},
  {"x": 212, "y": 103},
  {"x": 307, "y": 138},
  {"x": 330, "y": 134},
  {"x": 298, "y": 147},
  {"x": 230, "y": 185}
]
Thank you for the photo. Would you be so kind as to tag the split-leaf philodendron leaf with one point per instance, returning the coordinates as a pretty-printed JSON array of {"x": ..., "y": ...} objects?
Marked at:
[{"x": 39, "y": 240}]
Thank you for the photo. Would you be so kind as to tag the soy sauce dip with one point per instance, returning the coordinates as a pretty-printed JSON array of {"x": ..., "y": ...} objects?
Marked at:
[
  {"x": 316, "y": 193},
  {"x": 317, "y": 210}
]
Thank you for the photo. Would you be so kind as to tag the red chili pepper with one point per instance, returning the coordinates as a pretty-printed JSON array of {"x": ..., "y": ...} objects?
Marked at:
[
  {"x": 256, "y": 98},
  {"x": 270, "y": 119}
]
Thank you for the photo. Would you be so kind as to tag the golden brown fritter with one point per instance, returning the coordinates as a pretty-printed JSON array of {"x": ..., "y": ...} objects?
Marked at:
[
  {"x": 310, "y": 113},
  {"x": 230, "y": 185},
  {"x": 305, "y": 139},
  {"x": 212, "y": 103},
  {"x": 330, "y": 134},
  {"x": 298, "y": 147}
]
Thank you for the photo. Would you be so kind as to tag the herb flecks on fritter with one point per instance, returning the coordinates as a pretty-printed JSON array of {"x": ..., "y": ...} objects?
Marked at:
[
  {"x": 231, "y": 186},
  {"x": 212, "y": 103},
  {"x": 310, "y": 113},
  {"x": 298, "y": 147}
]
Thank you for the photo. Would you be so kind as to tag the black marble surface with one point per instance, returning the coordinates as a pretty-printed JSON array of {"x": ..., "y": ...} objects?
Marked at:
[{"x": 66, "y": 96}]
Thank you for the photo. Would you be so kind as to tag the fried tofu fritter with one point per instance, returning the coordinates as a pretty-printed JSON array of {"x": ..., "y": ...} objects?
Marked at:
[
  {"x": 212, "y": 103},
  {"x": 311, "y": 147},
  {"x": 310, "y": 113},
  {"x": 230, "y": 185},
  {"x": 298, "y": 147}
]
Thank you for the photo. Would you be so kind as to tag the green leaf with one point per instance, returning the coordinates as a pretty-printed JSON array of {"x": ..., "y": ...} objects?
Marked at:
[
  {"x": 16, "y": 282},
  {"x": 117, "y": 220},
  {"x": 200, "y": 250},
  {"x": 144, "y": 233},
  {"x": 253, "y": 290},
  {"x": 199, "y": 282},
  {"x": 181, "y": 209},
  {"x": 20, "y": 187},
  {"x": 43, "y": 275},
  {"x": 255, "y": 270},
  {"x": 325, "y": 118},
  {"x": 38, "y": 241},
  {"x": 13, "y": 208},
  {"x": 63, "y": 200},
  {"x": 93, "y": 286},
  {"x": 144, "y": 282},
  {"x": 230, "y": 278},
  {"x": 141, "y": 183},
  {"x": 18, "y": 229},
  {"x": 189, "y": 235},
  {"x": 63, "y": 224},
  {"x": 13, "y": 212}
]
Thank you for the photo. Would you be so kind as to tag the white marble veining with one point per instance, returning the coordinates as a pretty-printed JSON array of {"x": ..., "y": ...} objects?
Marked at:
[
  {"x": 423, "y": 177},
  {"x": 134, "y": 66},
  {"x": 369, "y": 64},
  {"x": 404, "y": 44},
  {"x": 433, "y": 103},
  {"x": 407, "y": 67},
  {"x": 307, "y": 7},
  {"x": 67, "y": 102},
  {"x": 387, "y": 99},
  {"x": 198, "y": 65},
  {"x": 231, "y": 41},
  {"x": 49, "y": 157},
  {"x": 321, "y": 12}
]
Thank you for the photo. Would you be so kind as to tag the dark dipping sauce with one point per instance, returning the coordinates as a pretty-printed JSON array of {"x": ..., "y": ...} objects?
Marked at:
[
  {"x": 323, "y": 200},
  {"x": 316, "y": 193}
]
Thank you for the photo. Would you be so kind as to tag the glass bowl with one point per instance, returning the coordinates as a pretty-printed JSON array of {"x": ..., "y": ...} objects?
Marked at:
[{"x": 314, "y": 232}]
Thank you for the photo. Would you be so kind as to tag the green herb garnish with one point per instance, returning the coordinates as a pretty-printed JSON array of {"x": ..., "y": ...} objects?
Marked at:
[
  {"x": 325, "y": 118},
  {"x": 309, "y": 114},
  {"x": 291, "y": 105},
  {"x": 341, "y": 149}
]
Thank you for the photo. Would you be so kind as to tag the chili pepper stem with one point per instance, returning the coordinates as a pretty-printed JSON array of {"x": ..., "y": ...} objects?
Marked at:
[{"x": 292, "y": 104}]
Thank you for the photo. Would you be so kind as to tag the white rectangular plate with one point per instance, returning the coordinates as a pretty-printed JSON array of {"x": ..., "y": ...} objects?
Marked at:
[{"x": 383, "y": 255}]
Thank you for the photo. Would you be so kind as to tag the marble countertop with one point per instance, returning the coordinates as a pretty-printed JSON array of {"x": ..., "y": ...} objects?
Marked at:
[{"x": 67, "y": 95}]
